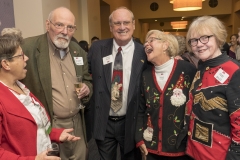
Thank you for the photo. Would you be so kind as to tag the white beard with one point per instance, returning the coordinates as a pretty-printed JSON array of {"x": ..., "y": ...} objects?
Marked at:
[
  {"x": 60, "y": 43},
  {"x": 148, "y": 134},
  {"x": 178, "y": 98}
]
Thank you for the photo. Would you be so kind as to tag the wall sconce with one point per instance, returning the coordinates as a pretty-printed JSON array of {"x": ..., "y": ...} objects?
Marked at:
[
  {"x": 187, "y": 5},
  {"x": 179, "y": 24}
]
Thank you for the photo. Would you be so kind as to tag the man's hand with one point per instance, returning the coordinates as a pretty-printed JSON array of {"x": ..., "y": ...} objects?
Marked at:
[{"x": 83, "y": 92}]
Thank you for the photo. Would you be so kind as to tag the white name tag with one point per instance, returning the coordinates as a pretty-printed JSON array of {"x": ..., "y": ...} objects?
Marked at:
[
  {"x": 163, "y": 76},
  {"x": 221, "y": 76},
  {"x": 78, "y": 61},
  {"x": 107, "y": 59}
]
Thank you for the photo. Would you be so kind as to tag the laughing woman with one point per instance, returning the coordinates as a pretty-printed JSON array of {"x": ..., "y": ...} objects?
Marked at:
[
  {"x": 25, "y": 128},
  {"x": 165, "y": 86}
]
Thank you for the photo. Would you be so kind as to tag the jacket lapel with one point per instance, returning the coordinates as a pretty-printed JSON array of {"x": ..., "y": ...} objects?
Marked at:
[
  {"x": 138, "y": 61},
  {"x": 43, "y": 66},
  {"x": 107, "y": 69},
  {"x": 12, "y": 105}
]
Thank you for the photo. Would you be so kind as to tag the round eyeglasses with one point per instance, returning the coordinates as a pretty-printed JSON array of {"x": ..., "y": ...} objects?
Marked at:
[{"x": 203, "y": 39}]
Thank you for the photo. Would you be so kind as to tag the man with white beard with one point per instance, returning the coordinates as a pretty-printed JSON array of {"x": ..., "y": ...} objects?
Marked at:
[{"x": 54, "y": 62}]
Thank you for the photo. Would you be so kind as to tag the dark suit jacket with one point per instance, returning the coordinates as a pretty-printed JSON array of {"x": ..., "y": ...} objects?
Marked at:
[
  {"x": 101, "y": 99},
  {"x": 38, "y": 78}
]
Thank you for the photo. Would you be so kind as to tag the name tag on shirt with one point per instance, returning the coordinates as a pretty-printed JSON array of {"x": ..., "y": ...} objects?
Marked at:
[
  {"x": 163, "y": 76},
  {"x": 78, "y": 61},
  {"x": 45, "y": 120},
  {"x": 221, "y": 76},
  {"x": 107, "y": 59}
]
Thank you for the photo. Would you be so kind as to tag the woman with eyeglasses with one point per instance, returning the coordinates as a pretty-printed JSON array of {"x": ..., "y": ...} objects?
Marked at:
[
  {"x": 164, "y": 93},
  {"x": 213, "y": 109},
  {"x": 25, "y": 128}
]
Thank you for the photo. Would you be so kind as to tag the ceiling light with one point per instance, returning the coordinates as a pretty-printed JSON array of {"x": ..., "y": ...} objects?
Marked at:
[
  {"x": 179, "y": 24},
  {"x": 187, "y": 5},
  {"x": 171, "y": 1}
]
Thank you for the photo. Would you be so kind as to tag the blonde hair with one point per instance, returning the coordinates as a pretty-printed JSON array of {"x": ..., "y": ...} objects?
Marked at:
[
  {"x": 207, "y": 23},
  {"x": 173, "y": 47}
]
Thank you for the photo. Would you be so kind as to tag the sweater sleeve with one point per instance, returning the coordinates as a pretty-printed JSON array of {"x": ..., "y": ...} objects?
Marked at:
[
  {"x": 140, "y": 118},
  {"x": 233, "y": 100}
]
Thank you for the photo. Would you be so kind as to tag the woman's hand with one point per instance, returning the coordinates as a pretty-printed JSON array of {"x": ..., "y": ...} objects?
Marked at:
[
  {"x": 144, "y": 151},
  {"x": 43, "y": 156},
  {"x": 66, "y": 136}
]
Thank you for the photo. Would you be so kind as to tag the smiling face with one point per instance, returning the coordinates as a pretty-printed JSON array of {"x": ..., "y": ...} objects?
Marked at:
[
  {"x": 60, "y": 37},
  {"x": 122, "y": 26},
  {"x": 208, "y": 50},
  {"x": 233, "y": 40}
]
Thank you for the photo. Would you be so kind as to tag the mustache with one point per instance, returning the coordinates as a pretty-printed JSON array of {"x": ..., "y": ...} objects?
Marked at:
[{"x": 62, "y": 36}]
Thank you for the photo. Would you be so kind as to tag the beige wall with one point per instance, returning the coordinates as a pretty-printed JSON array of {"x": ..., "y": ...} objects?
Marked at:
[
  {"x": 30, "y": 15},
  {"x": 105, "y": 29}
]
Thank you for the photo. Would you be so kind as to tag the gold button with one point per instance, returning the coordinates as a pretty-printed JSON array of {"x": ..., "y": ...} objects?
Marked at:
[
  {"x": 207, "y": 68},
  {"x": 200, "y": 84},
  {"x": 189, "y": 133},
  {"x": 191, "y": 117}
]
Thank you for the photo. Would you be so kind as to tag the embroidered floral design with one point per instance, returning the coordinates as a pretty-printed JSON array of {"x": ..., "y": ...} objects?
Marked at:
[
  {"x": 154, "y": 98},
  {"x": 153, "y": 142}
]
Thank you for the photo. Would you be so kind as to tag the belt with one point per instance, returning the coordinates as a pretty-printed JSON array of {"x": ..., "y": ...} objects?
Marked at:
[{"x": 116, "y": 118}]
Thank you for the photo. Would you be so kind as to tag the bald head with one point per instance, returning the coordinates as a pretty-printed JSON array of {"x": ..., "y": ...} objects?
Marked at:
[{"x": 60, "y": 12}]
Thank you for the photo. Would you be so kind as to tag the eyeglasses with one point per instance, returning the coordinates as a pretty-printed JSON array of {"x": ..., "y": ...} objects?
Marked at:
[
  {"x": 17, "y": 56},
  {"x": 58, "y": 25},
  {"x": 203, "y": 39},
  {"x": 151, "y": 39},
  {"x": 125, "y": 23}
]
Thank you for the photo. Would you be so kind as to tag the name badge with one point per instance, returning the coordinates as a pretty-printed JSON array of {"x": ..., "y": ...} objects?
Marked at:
[
  {"x": 163, "y": 76},
  {"x": 78, "y": 61},
  {"x": 107, "y": 59},
  {"x": 221, "y": 76},
  {"x": 45, "y": 120}
]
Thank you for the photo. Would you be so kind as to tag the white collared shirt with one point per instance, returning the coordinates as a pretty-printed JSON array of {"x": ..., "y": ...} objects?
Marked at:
[
  {"x": 43, "y": 139},
  {"x": 127, "y": 57}
]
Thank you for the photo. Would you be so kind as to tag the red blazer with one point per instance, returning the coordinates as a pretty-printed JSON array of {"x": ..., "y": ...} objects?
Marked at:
[{"x": 18, "y": 130}]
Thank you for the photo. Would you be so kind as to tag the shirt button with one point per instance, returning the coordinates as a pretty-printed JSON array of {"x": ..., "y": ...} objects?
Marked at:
[
  {"x": 207, "y": 68},
  {"x": 191, "y": 117},
  {"x": 189, "y": 133}
]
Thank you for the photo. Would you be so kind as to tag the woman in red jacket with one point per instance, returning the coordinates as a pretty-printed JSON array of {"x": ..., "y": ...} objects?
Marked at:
[{"x": 25, "y": 129}]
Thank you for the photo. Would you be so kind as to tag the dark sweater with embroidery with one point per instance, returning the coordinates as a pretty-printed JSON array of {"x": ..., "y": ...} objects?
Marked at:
[
  {"x": 213, "y": 111},
  {"x": 157, "y": 112}
]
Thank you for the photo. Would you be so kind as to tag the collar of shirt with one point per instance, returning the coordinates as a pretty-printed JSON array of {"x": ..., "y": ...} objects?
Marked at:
[
  {"x": 54, "y": 48},
  {"x": 125, "y": 49}
]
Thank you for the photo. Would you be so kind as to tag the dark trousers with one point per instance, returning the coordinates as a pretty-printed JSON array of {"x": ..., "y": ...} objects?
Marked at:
[
  {"x": 115, "y": 135},
  {"x": 151, "y": 156}
]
